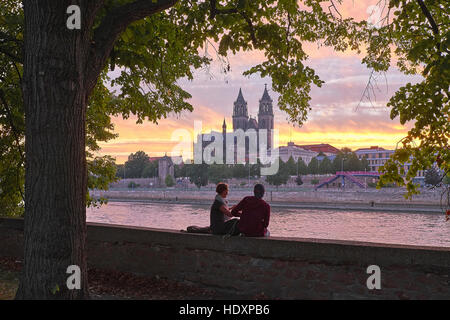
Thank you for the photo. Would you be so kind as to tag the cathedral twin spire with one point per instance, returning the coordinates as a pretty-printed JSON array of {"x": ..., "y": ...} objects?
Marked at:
[
  {"x": 240, "y": 105},
  {"x": 240, "y": 112}
]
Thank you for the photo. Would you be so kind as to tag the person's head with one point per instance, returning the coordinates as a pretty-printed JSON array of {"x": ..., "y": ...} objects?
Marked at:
[
  {"x": 258, "y": 191},
  {"x": 222, "y": 189}
]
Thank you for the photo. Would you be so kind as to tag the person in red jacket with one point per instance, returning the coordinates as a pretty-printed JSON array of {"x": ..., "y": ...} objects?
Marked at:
[{"x": 254, "y": 214}]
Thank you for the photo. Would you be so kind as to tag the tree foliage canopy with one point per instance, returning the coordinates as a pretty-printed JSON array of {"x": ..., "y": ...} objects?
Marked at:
[
  {"x": 416, "y": 34},
  {"x": 152, "y": 45}
]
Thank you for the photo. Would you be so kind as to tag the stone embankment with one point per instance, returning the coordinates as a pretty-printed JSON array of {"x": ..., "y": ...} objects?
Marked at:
[{"x": 386, "y": 200}]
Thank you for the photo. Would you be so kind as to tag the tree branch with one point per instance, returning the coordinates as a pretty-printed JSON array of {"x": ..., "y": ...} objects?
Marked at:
[
  {"x": 332, "y": 5},
  {"x": 112, "y": 25},
  {"x": 251, "y": 27},
  {"x": 429, "y": 17},
  {"x": 214, "y": 11}
]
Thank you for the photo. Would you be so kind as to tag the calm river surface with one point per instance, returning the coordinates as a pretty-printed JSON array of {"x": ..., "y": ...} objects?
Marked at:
[{"x": 382, "y": 227}]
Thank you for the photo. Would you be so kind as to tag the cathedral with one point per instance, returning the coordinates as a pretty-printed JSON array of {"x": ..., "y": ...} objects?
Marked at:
[{"x": 241, "y": 120}]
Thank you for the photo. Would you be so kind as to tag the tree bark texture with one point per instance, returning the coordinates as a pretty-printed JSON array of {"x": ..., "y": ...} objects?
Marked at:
[
  {"x": 56, "y": 177},
  {"x": 61, "y": 68}
]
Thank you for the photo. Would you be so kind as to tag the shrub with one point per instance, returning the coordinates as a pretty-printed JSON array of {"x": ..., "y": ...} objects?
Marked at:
[
  {"x": 133, "y": 185},
  {"x": 169, "y": 181}
]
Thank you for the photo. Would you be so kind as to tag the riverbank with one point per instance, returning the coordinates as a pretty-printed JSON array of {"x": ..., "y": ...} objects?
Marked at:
[
  {"x": 312, "y": 206},
  {"x": 359, "y": 200}
]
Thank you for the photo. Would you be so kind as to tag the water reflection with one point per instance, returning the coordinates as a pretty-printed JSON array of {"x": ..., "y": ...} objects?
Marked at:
[{"x": 383, "y": 227}]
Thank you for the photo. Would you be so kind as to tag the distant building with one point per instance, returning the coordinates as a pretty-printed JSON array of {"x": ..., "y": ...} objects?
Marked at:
[
  {"x": 325, "y": 148},
  {"x": 241, "y": 120},
  {"x": 376, "y": 156},
  {"x": 165, "y": 168},
  {"x": 330, "y": 157},
  {"x": 175, "y": 159},
  {"x": 296, "y": 152}
]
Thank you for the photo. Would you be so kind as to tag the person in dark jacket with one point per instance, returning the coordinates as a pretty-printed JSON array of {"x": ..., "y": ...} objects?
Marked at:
[
  {"x": 254, "y": 214},
  {"x": 220, "y": 222}
]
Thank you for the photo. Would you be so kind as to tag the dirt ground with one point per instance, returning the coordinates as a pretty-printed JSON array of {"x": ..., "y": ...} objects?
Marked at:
[{"x": 107, "y": 284}]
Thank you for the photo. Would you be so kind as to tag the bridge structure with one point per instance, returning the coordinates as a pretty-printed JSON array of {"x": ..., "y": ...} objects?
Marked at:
[{"x": 350, "y": 176}]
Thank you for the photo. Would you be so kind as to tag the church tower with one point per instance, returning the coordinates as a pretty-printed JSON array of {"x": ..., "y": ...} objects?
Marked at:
[
  {"x": 224, "y": 136},
  {"x": 265, "y": 115},
  {"x": 240, "y": 113}
]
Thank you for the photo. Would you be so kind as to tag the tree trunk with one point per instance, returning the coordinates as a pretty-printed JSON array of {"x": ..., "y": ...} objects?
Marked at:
[{"x": 56, "y": 176}]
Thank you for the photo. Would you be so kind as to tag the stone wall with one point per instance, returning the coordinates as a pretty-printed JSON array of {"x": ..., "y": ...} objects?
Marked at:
[{"x": 280, "y": 268}]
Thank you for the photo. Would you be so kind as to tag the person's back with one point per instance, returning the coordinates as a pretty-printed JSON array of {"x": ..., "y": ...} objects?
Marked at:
[{"x": 254, "y": 214}]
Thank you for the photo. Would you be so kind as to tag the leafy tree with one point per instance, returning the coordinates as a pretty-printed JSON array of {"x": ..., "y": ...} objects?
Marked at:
[
  {"x": 353, "y": 163},
  {"x": 446, "y": 180},
  {"x": 364, "y": 164},
  {"x": 180, "y": 170},
  {"x": 281, "y": 177},
  {"x": 313, "y": 166},
  {"x": 150, "y": 170},
  {"x": 218, "y": 173},
  {"x": 291, "y": 166},
  {"x": 12, "y": 120},
  {"x": 338, "y": 164},
  {"x": 348, "y": 161},
  {"x": 133, "y": 185},
  {"x": 325, "y": 166},
  {"x": 239, "y": 171},
  {"x": 120, "y": 171},
  {"x": 198, "y": 174},
  {"x": 418, "y": 33},
  {"x": 255, "y": 169},
  {"x": 432, "y": 177},
  {"x": 169, "y": 181},
  {"x": 302, "y": 167},
  {"x": 136, "y": 164},
  {"x": 102, "y": 172}
]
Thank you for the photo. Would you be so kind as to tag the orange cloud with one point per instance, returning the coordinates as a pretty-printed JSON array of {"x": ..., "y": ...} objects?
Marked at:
[{"x": 333, "y": 118}]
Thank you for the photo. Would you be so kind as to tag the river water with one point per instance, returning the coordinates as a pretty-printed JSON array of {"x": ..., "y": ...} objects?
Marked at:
[{"x": 429, "y": 229}]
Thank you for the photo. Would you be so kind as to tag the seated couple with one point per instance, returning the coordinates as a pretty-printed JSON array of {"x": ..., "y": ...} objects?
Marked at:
[{"x": 253, "y": 211}]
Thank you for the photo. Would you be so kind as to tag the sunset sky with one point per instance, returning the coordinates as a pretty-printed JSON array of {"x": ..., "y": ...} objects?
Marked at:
[{"x": 333, "y": 119}]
